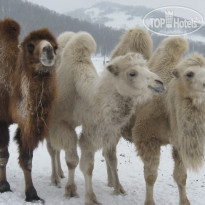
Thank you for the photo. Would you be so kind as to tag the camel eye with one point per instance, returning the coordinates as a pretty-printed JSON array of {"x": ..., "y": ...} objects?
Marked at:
[
  {"x": 190, "y": 75},
  {"x": 133, "y": 74},
  {"x": 30, "y": 48}
]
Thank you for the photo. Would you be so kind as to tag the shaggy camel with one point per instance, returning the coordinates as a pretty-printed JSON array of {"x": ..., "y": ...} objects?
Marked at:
[
  {"x": 176, "y": 118},
  {"x": 101, "y": 104},
  {"x": 162, "y": 62},
  {"x": 134, "y": 40},
  {"x": 28, "y": 101}
]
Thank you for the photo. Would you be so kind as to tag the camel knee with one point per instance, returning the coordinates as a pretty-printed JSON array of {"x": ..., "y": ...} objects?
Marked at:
[
  {"x": 86, "y": 167},
  {"x": 180, "y": 178},
  {"x": 150, "y": 179},
  {"x": 72, "y": 161}
]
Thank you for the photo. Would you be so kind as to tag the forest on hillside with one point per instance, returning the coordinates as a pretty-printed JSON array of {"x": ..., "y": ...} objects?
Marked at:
[{"x": 31, "y": 17}]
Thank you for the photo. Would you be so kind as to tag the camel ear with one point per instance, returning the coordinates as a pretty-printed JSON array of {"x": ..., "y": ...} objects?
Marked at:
[
  {"x": 113, "y": 69},
  {"x": 175, "y": 73}
]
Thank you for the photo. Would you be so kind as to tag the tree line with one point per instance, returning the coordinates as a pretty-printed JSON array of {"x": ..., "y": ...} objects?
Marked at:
[{"x": 31, "y": 16}]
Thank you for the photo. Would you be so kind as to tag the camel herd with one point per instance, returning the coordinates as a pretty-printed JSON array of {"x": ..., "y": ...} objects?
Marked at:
[{"x": 49, "y": 86}]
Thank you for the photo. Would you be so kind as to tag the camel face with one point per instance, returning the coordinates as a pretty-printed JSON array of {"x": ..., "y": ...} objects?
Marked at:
[
  {"x": 47, "y": 53},
  {"x": 41, "y": 54},
  {"x": 133, "y": 77},
  {"x": 192, "y": 81}
]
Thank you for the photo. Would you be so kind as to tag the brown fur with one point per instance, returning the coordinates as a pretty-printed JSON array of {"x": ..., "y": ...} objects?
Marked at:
[
  {"x": 8, "y": 55},
  {"x": 42, "y": 92},
  {"x": 28, "y": 93}
]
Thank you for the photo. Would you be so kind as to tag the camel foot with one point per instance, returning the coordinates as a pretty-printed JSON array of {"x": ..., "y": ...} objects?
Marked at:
[
  {"x": 61, "y": 174},
  {"x": 185, "y": 202},
  {"x": 71, "y": 190},
  {"x": 31, "y": 196},
  {"x": 4, "y": 187},
  {"x": 119, "y": 190},
  {"x": 110, "y": 184},
  {"x": 90, "y": 199},
  {"x": 55, "y": 181}
]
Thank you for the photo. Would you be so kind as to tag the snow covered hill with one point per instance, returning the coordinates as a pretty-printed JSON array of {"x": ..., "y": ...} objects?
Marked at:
[
  {"x": 112, "y": 14},
  {"x": 130, "y": 170},
  {"x": 120, "y": 16}
]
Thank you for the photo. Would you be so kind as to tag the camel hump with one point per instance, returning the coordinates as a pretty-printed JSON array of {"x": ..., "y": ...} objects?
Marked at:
[
  {"x": 10, "y": 27},
  {"x": 140, "y": 41},
  {"x": 134, "y": 40},
  {"x": 176, "y": 45},
  {"x": 83, "y": 41}
]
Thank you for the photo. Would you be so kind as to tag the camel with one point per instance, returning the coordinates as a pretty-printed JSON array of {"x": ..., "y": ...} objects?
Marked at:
[
  {"x": 102, "y": 105},
  {"x": 162, "y": 62},
  {"x": 134, "y": 40},
  {"x": 27, "y": 101},
  {"x": 176, "y": 118}
]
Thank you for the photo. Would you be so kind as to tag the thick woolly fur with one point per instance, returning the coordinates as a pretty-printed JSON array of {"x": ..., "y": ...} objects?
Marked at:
[
  {"x": 28, "y": 93},
  {"x": 9, "y": 32},
  {"x": 62, "y": 39},
  {"x": 134, "y": 40},
  {"x": 101, "y": 104},
  {"x": 186, "y": 109},
  {"x": 168, "y": 54},
  {"x": 162, "y": 62},
  {"x": 176, "y": 118},
  {"x": 35, "y": 92}
]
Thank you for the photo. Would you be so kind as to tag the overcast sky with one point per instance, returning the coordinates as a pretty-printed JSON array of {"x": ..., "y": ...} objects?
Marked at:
[{"x": 62, "y": 6}]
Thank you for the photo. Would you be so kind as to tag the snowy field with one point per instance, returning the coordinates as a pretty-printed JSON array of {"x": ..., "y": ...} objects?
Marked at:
[{"x": 130, "y": 170}]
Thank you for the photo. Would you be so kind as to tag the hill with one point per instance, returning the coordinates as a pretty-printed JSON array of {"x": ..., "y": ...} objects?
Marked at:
[{"x": 31, "y": 16}]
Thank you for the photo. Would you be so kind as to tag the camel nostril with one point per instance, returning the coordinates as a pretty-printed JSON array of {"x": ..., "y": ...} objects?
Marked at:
[
  {"x": 49, "y": 52},
  {"x": 159, "y": 82}
]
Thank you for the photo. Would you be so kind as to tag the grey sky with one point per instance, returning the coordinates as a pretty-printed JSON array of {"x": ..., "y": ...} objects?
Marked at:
[{"x": 62, "y": 6}]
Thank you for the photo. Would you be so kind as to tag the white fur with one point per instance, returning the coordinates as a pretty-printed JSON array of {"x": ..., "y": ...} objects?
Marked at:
[{"x": 101, "y": 104}]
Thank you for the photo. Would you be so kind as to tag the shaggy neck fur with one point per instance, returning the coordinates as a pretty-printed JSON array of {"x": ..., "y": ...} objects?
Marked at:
[
  {"x": 119, "y": 108},
  {"x": 189, "y": 113}
]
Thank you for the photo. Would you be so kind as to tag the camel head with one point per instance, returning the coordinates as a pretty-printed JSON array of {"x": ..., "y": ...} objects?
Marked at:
[
  {"x": 39, "y": 51},
  {"x": 133, "y": 78},
  {"x": 190, "y": 76}
]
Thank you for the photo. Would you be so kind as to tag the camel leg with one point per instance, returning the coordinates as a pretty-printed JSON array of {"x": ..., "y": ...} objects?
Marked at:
[
  {"x": 149, "y": 151},
  {"x": 72, "y": 160},
  {"x": 4, "y": 156},
  {"x": 25, "y": 161},
  {"x": 60, "y": 171},
  {"x": 109, "y": 173},
  {"x": 180, "y": 176},
  {"x": 55, "y": 179},
  {"x": 86, "y": 166},
  {"x": 111, "y": 159}
]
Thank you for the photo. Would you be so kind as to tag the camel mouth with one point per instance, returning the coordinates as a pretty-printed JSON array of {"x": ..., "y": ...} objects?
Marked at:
[
  {"x": 158, "y": 90},
  {"x": 47, "y": 62}
]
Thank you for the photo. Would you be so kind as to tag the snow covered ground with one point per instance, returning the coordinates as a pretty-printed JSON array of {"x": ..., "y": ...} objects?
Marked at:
[{"x": 130, "y": 170}]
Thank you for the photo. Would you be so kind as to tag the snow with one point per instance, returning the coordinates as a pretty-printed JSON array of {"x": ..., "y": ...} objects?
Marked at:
[
  {"x": 120, "y": 20},
  {"x": 130, "y": 170},
  {"x": 196, "y": 38},
  {"x": 94, "y": 12}
]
